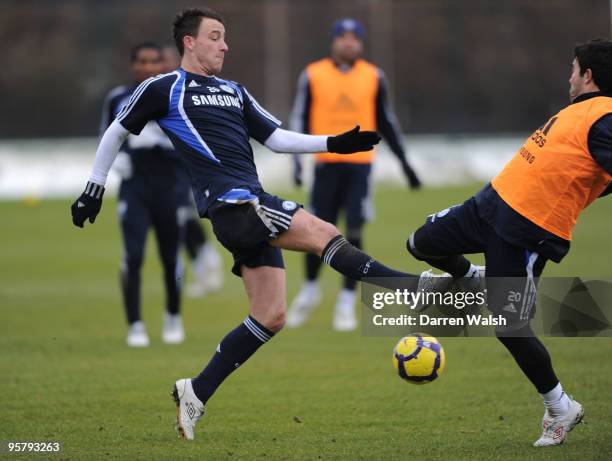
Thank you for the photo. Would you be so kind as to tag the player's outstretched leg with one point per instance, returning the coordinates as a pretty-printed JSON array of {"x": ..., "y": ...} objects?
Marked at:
[
  {"x": 265, "y": 287},
  {"x": 441, "y": 242},
  {"x": 309, "y": 234}
]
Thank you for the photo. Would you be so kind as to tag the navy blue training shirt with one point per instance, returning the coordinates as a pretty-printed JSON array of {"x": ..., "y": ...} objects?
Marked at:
[
  {"x": 146, "y": 148},
  {"x": 209, "y": 120}
]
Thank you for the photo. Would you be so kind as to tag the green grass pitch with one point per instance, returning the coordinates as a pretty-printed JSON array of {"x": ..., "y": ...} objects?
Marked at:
[{"x": 66, "y": 374}]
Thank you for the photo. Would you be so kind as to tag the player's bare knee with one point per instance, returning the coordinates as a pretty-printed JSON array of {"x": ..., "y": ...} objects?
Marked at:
[
  {"x": 273, "y": 321},
  {"x": 324, "y": 232},
  {"x": 277, "y": 322}
]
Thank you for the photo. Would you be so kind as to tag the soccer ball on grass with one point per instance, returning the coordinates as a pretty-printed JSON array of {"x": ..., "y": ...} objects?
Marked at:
[{"x": 418, "y": 358}]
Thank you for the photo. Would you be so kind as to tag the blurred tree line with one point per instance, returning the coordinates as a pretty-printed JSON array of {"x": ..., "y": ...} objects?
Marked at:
[{"x": 453, "y": 66}]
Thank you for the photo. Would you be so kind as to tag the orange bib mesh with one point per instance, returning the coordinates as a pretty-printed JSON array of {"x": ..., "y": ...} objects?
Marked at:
[
  {"x": 341, "y": 100},
  {"x": 553, "y": 176}
]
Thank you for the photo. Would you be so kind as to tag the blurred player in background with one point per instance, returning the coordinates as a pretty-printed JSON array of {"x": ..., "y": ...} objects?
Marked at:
[
  {"x": 333, "y": 95},
  {"x": 525, "y": 217},
  {"x": 155, "y": 192},
  {"x": 206, "y": 263}
]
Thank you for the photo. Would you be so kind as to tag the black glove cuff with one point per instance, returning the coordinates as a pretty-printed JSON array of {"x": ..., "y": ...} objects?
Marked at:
[{"x": 93, "y": 190}]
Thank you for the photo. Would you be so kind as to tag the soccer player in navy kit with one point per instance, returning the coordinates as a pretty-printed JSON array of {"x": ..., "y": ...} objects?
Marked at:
[
  {"x": 154, "y": 193},
  {"x": 210, "y": 121},
  {"x": 206, "y": 262}
]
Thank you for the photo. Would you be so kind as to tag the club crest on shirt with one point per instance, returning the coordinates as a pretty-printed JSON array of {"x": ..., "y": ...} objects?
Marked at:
[
  {"x": 289, "y": 205},
  {"x": 227, "y": 88}
]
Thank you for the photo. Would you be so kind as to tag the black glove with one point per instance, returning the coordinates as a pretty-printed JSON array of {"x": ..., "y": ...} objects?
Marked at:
[
  {"x": 352, "y": 141},
  {"x": 413, "y": 179},
  {"x": 87, "y": 205}
]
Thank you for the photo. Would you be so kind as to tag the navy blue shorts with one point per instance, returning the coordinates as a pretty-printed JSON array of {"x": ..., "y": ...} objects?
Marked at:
[
  {"x": 512, "y": 272},
  {"x": 342, "y": 186},
  {"x": 244, "y": 222}
]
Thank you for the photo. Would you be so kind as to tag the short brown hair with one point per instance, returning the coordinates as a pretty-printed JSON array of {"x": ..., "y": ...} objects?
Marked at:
[
  {"x": 187, "y": 22},
  {"x": 597, "y": 56}
]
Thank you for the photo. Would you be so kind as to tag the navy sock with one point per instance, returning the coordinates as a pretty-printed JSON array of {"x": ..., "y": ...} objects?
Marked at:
[
  {"x": 235, "y": 349},
  {"x": 349, "y": 283},
  {"x": 532, "y": 357},
  {"x": 355, "y": 264},
  {"x": 313, "y": 265}
]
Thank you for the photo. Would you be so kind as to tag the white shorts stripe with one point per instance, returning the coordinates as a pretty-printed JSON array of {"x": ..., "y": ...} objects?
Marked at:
[
  {"x": 279, "y": 223},
  {"x": 277, "y": 218},
  {"x": 530, "y": 288},
  {"x": 272, "y": 210}
]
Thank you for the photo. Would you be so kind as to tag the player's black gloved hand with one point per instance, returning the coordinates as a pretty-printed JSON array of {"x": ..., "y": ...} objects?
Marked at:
[
  {"x": 88, "y": 204},
  {"x": 352, "y": 141},
  {"x": 411, "y": 176}
]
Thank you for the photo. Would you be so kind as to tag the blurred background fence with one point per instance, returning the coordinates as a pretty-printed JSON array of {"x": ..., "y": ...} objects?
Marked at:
[{"x": 470, "y": 67}]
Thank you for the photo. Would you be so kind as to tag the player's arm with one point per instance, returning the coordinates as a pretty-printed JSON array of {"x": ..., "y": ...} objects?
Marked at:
[
  {"x": 600, "y": 146},
  {"x": 299, "y": 119},
  {"x": 388, "y": 125},
  {"x": 148, "y": 102},
  {"x": 265, "y": 128},
  {"x": 89, "y": 203},
  {"x": 355, "y": 140}
]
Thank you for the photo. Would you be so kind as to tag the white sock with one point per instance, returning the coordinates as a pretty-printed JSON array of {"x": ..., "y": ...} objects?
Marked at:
[
  {"x": 310, "y": 286},
  {"x": 556, "y": 401},
  {"x": 346, "y": 300},
  {"x": 472, "y": 272}
]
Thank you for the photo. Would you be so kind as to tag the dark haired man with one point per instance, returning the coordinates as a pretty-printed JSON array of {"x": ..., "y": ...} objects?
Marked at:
[
  {"x": 210, "y": 121},
  {"x": 155, "y": 193},
  {"x": 206, "y": 262},
  {"x": 334, "y": 94},
  {"x": 525, "y": 217}
]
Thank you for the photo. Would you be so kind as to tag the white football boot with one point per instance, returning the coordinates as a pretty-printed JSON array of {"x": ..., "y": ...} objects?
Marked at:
[
  {"x": 477, "y": 283},
  {"x": 207, "y": 269},
  {"x": 555, "y": 429},
  {"x": 137, "y": 335},
  {"x": 431, "y": 283},
  {"x": 303, "y": 304},
  {"x": 344, "y": 311},
  {"x": 189, "y": 409},
  {"x": 173, "y": 331}
]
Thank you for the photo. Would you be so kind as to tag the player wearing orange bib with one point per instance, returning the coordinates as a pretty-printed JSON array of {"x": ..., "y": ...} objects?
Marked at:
[
  {"x": 525, "y": 217},
  {"x": 337, "y": 93}
]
